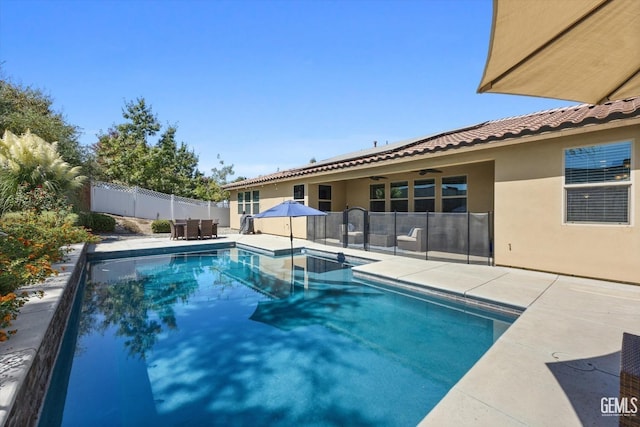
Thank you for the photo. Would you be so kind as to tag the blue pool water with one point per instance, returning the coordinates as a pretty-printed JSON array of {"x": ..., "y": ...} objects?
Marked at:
[{"x": 225, "y": 339}]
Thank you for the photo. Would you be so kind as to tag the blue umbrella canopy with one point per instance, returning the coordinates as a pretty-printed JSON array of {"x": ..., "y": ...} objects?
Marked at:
[{"x": 289, "y": 208}]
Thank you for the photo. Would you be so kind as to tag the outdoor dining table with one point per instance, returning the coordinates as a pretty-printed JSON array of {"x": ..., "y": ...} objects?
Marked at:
[{"x": 181, "y": 229}]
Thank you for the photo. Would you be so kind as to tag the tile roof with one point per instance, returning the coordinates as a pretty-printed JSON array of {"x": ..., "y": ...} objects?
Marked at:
[{"x": 494, "y": 130}]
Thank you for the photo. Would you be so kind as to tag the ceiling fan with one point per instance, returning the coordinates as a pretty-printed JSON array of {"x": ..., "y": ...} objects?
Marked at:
[
  {"x": 429, "y": 170},
  {"x": 377, "y": 177}
]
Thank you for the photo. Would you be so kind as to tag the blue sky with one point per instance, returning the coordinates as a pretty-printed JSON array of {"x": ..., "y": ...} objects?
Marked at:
[{"x": 266, "y": 84}]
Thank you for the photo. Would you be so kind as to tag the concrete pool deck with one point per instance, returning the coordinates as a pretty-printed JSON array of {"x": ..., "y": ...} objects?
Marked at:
[{"x": 551, "y": 367}]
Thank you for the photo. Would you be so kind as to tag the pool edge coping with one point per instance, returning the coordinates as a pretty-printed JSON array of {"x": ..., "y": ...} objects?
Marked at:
[
  {"x": 543, "y": 303},
  {"x": 31, "y": 383},
  {"x": 32, "y": 356}
]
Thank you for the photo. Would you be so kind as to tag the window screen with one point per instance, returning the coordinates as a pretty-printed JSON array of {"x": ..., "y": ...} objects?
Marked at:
[
  {"x": 454, "y": 194},
  {"x": 377, "y": 196},
  {"x": 399, "y": 194},
  {"x": 598, "y": 183},
  {"x": 424, "y": 193}
]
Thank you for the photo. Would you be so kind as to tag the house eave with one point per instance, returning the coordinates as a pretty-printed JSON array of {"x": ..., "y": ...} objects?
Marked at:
[{"x": 616, "y": 117}]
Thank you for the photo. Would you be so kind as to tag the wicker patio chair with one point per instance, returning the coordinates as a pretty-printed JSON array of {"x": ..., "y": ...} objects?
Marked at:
[
  {"x": 192, "y": 229},
  {"x": 630, "y": 375},
  {"x": 353, "y": 236},
  {"x": 414, "y": 241},
  {"x": 206, "y": 228},
  {"x": 177, "y": 230}
]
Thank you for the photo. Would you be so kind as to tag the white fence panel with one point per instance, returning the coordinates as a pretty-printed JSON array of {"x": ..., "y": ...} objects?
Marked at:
[
  {"x": 186, "y": 208},
  {"x": 152, "y": 205},
  {"x": 112, "y": 198},
  {"x": 142, "y": 203}
]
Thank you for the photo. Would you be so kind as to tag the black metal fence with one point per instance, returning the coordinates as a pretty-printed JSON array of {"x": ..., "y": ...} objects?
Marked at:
[{"x": 464, "y": 237}]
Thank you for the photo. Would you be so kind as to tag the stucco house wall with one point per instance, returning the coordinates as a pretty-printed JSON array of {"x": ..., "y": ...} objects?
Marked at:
[
  {"x": 530, "y": 228},
  {"x": 515, "y": 168}
]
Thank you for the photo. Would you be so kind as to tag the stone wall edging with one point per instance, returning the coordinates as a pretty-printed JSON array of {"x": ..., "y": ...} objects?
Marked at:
[{"x": 27, "y": 360}]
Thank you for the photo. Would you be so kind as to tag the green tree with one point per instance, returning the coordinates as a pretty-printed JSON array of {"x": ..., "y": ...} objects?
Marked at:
[
  {"x": 220, "y": 176},
  {"x": 26, "y": 108},
  {"x": 174, "y": 168},
  {"x": 210, "y": 188},
  {"x": 122, "y": 154},
  {"x": 125, "y": 155},
  {"x": 120, "y": 158},
  {"x": 29, "y": 162},
  {"x": 142, "y": 122}
]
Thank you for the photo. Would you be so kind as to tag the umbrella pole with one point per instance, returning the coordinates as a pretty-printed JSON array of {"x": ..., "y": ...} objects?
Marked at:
[
  {"x": 291, "y": 239},
  {"x": 292, "y": 269}
]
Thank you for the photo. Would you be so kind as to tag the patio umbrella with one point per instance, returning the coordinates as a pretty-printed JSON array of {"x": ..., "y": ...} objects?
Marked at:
[
  {"x": 291, "y": 209},
  {"x": 579, "y": 50}
]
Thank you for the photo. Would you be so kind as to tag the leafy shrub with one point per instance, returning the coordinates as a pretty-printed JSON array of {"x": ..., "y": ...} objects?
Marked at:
[
  {"x": 13, "y": 217},
  {"x": 55, "y": 219},
  {"x": 161, "y": 226},
  {"x": 103, "y": 223},
  {"x": 84, "y": 219},
  {"x": 38, "y": 199},
  {"x": 9, "y": 308},
  {"x": 28, "y": 247},
  {"x": 97, "y": 222},
  {"x": 44, "y": 218}
]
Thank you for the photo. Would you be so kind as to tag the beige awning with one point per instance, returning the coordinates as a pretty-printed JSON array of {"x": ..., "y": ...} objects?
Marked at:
[{"x": 579, "y": 50}]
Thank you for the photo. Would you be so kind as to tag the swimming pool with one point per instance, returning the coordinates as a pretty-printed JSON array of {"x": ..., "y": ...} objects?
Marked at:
[{"x": 234, "y": 337}]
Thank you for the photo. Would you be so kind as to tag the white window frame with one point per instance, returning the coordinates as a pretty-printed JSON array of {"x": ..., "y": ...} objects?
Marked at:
[
  {"x": 435, "y": 193},
  {"x": 383, "y": 200},
  {"x": 628, "y": 184},
  {"x": 466, "y": 195},
  {"x": 399, "y": 199},
  {"x": 255, "y": 202}
]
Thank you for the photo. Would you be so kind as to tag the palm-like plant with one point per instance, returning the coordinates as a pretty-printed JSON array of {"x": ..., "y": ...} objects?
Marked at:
[{"x": 30, "y": 160}]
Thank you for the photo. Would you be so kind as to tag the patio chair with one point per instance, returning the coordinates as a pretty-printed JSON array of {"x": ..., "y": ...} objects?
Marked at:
[
  {"x": 353, "y": 236},
  {"x": 177, "y": 230},
  {"x": 206, "y": 228},
  {"x": 192, "y": 229},
  {"x": 412, "y": 241},
  {"x": 629, "y": 373}
]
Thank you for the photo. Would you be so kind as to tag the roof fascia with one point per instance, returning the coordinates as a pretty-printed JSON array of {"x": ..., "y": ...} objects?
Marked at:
[{"x": 484, "y": 145}]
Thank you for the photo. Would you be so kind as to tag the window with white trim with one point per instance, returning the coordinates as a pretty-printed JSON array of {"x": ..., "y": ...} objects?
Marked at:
[
  {"x": 247, "y": 204},
  {"x": 376, "y": 198},
  {"x": 424, "y": 195},
  {"x": 240, "y": 202},
  {"x": 454, "y": 194},
  {"x": 399, "y": 195},
  {"x": 256, "y": 202},
  {"x": 597, "y": 183}
]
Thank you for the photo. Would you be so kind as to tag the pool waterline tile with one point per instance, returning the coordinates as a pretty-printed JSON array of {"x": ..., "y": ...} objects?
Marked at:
[{"x": 354, "y": 319}]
